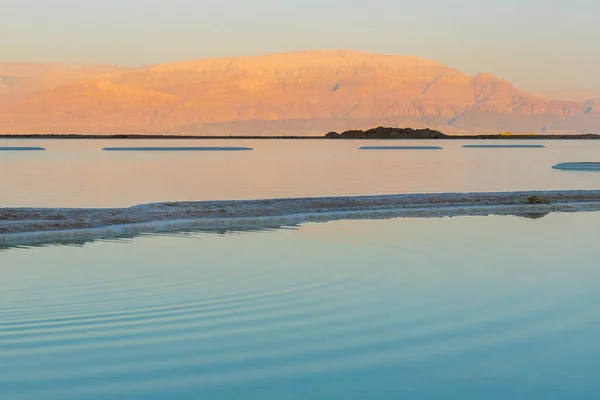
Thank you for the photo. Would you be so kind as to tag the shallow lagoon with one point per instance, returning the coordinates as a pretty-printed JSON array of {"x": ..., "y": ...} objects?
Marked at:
[
  {"x": 452, "y": 308},
  {"x": 76, "y": 173}
]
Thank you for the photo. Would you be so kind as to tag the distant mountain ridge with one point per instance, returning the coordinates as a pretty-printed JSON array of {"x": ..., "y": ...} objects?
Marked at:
[
  {"x": 18, "y": 80},
  {"x": 292, "y": 93}
]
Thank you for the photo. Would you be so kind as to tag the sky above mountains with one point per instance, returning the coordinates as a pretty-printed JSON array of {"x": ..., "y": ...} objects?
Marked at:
[{"x": 538, "y": 45}]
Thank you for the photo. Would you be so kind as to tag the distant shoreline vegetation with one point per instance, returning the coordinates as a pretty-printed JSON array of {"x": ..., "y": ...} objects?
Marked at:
[
  {"x": 375, "y": 133},
  {"x": 409, "y": 133}
]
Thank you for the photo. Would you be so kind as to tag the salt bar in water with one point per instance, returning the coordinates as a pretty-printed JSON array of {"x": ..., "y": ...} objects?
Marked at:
[
  {"x": 578, "y": 166},
  {"x": 504, "y": 146},
  {"x": 22, "y": 149},
  {"x": 401, "y": 148},
  {"x": 176, "y": 149}
]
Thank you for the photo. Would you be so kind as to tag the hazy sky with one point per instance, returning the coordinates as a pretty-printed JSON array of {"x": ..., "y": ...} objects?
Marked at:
[{"x": 536, "y": 44}]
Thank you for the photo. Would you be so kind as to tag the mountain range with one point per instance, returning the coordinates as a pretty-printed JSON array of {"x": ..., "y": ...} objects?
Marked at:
[{"x": 301, "y": 93}]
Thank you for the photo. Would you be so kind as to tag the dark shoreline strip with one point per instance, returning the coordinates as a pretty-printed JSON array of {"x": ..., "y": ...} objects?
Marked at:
[
  {"x": 358, "y": 136},
  {"x": 177, "y": 149}
]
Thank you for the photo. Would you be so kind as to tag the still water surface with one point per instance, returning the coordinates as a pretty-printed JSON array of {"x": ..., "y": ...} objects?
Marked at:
[
  {"x": 76, "y": 173},
  {"x": 453, "y": 308}
]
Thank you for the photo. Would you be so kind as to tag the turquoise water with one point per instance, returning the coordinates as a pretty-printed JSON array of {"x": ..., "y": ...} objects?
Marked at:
[
  {"x": 77, "y": 173},
  {"x": 499, "y": 307}
]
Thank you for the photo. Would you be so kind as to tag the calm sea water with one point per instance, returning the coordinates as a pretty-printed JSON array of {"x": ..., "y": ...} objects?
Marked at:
[
  {"x": 453, "y": 308},
  {"x": 75, "y": 173}
]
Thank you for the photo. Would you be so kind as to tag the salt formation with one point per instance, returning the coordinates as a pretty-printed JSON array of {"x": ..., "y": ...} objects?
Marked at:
[
  {"x": 401, "y": 148},
  {"x": 37, "y": 225},
  {"x": 578, "y": 166},
  {"x": 504, "y": 146},
  {"x": 22, "y": 149},
  {"x": 176, "y": 148}
]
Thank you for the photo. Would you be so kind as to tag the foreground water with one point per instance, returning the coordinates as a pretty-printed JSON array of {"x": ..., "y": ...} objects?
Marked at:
[
  {"x": 453, "y": 308},
  {"x": 76, "y": 173}
]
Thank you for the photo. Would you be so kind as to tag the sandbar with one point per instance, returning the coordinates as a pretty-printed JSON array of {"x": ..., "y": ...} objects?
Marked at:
[
  {"x": 503, "y": 146},
  {"x": 177, "y": 149},
  {"x": 22, "y": 149},
  {"x": 578, "y": 166},
  {"x": 35, "y": 225},
  {"x": 401, "y": 148}
]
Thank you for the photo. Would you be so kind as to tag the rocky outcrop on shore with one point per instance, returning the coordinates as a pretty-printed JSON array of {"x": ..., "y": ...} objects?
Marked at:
[
  {"x": 409, "y": 133},
  {"x": 388, "y": 133}
]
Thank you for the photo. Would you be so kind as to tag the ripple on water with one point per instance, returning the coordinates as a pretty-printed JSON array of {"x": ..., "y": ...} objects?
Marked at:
[{"x": 372, "y": 297}]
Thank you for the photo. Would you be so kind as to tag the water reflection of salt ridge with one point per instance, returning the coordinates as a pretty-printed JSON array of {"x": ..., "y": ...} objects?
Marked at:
[
  {"x": 192, "y": 233},
  {"x": 127, "y": 238}
]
